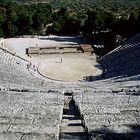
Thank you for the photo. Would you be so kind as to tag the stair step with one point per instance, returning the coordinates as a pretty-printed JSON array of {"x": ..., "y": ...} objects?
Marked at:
[
  {"x": 71, "y": 118},
  {"x": 71, "y": 126},
  {"x": 73, "y": 136},
  {"x": 72, "y": 129},
  {"x": 70, "y": 115},
  {"x": 71, "y": 123},
  {"x": 74, "y": 124}
]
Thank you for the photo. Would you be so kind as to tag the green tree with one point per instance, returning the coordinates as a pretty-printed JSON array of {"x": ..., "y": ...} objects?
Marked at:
[
  {"x": 2, "y": 18},
  {"x": 90, "y": 23},
  {"x": 24, "y": 23},
  {"x": 59, "y": 20},
  {"x": 9, "y": 29},
  {"x": 99, "y": 20},
  {"x": 38, "y": 22}
]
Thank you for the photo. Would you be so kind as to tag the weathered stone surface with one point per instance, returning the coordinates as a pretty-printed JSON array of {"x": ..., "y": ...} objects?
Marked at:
[
  {"x": 10, "y": 136},
  {"x": 32, "y": 129},
  {"x": 22, "y": 121},
  {"x": 37, "y": 136},
  {"x": 4, "y": 120},
  {"x": 4, "y": 127}
]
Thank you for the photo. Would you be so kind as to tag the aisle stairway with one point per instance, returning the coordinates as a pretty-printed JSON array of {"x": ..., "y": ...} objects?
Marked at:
[{"x": 71, "y": 126}]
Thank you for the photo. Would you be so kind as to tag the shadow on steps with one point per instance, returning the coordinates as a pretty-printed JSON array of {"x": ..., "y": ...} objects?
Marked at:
[{"x": 73, "y": 136}]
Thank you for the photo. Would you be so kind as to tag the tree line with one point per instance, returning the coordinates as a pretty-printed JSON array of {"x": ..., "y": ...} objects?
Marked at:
[{"x": 40, "y": 18}]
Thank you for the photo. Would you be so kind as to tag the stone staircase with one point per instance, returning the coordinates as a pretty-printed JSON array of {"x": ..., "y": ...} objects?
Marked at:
[{"x": 71, "y": 126}]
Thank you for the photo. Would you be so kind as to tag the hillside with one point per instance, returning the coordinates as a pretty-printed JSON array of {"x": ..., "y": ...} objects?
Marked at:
[
  {"x": 107, "y": 4},
  {"x": 18, "y": 17}
]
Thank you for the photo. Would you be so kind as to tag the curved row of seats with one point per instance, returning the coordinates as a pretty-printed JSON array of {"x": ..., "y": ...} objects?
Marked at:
[
  {"x": 29, "y": 109},
  {"x": 110, "y": 110},
  {"x": 14, "y": 73},
  {"x": 123, "y": 61}
]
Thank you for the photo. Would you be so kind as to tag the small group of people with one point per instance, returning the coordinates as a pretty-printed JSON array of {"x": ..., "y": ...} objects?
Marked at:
[{"x": 29, "y": 65}]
